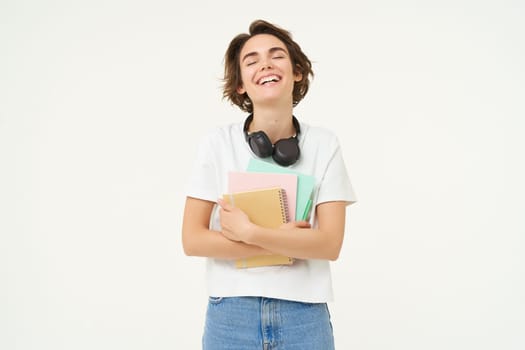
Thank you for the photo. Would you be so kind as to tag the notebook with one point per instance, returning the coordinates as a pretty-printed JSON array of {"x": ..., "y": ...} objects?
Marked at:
[
  {"x": 267, "y": 208},
  {"x": 305, "y": 185},
  {"x": 239, "y": 181}
]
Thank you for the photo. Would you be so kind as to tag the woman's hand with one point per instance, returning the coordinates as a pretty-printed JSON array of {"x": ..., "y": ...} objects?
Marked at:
[
  {"x": 234, "y": 222},
  {"x": 236, "y": 225}
]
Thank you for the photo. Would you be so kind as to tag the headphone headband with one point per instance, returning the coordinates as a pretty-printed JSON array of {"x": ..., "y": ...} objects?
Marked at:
[{"x": 249, "y": 120}]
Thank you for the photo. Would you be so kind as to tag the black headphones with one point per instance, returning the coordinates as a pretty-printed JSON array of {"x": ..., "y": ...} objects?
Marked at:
[{"x": 285, "y": 152}]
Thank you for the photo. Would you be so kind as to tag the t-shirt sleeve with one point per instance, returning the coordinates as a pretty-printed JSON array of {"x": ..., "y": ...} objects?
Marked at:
[
  {"x": 335, "y": 184},
  {"x": 202, "y": 179}
]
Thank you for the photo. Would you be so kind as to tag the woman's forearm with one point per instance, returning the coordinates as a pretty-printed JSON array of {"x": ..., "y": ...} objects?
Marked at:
[
  {"x": 213, "y": 244},
  {"x": 298, "y": 242}
]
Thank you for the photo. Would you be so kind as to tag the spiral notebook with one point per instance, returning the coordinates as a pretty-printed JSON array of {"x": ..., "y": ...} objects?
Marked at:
[
  {"x": 239, "y": 181},
  {"x": 265, "y": 207}
]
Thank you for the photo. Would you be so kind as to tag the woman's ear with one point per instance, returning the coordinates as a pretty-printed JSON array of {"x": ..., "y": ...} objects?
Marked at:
[
  {"x": 240, "y": 90},
  {"x": 298, "y": 75}
]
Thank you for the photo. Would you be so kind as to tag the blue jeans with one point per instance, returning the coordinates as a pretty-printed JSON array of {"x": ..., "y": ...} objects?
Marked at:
[{"x": 254, "y": 323}]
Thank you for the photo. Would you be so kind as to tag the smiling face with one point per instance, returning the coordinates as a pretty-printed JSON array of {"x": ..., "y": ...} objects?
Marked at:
[{"x": 266, "y": 71}]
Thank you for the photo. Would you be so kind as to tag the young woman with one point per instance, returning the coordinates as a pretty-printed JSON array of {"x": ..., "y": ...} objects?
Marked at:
[{"x": 274, "y": 307}]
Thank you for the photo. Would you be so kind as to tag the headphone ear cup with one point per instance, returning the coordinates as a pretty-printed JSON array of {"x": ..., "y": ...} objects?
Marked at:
[
  {"x": 260, "y": 144},
  {"x": 286, "y": 152}
]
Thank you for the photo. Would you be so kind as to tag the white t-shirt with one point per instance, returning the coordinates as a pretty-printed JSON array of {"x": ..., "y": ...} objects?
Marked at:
[{"x": 225, "y": 149}]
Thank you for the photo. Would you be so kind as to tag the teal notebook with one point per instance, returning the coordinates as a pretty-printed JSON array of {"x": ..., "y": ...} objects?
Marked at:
[{"x": 305, "y": 185}]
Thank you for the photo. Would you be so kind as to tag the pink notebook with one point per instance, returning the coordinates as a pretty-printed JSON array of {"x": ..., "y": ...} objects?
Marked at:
[{"x": 239, "y": 181}]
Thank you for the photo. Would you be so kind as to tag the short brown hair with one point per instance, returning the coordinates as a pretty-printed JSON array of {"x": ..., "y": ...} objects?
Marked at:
[{"x": 232, "y": 71}]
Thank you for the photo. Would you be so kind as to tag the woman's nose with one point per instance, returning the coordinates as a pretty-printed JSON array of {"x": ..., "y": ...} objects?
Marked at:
[{"x": 266, "y": 65}]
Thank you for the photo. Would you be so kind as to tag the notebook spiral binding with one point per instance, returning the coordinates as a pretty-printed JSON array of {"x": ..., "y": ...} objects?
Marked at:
[{"x": 284, "y": 207}]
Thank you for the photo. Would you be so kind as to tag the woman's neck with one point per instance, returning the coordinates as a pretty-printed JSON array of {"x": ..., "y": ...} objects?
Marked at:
[{"x": 276, "y": 123}]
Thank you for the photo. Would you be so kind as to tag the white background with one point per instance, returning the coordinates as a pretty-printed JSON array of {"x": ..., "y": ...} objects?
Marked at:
[{"x": 102, "y": 104}]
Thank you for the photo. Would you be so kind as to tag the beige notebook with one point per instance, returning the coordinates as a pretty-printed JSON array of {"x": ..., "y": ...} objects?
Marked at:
[{"x": 267, "y": 208}]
